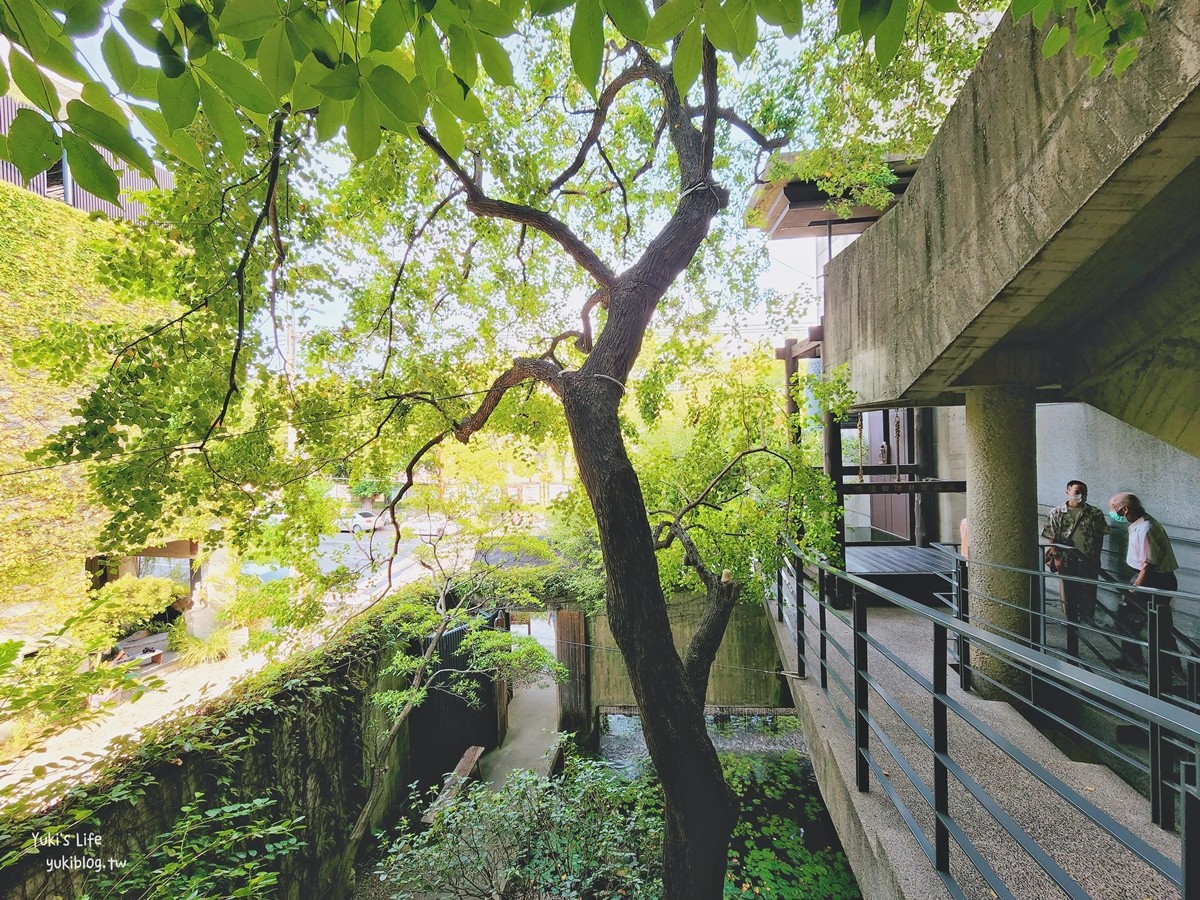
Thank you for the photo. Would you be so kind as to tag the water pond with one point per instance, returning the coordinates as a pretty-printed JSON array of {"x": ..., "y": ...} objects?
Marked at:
[{"x": 785, "y": 845}]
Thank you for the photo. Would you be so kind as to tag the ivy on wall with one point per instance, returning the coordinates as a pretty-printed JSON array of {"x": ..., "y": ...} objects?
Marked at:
[{"x": 51, "y": 260}]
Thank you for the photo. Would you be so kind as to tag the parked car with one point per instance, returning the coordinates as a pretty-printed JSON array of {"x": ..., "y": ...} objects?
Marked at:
[
  {"x": 363, "y": 520},
  {"x": 428, "y": 526}
]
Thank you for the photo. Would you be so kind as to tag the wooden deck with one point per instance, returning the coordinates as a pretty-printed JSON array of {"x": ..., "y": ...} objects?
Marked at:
[{"x": 875, "y": 561}]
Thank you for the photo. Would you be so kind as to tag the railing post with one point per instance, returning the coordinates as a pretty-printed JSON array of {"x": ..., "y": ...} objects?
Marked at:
[
  {"x": 962, "y": 611},
  {"x": 797, "y": 563},
  {"x": 1037, "y": 604},
  {"x": 1189, "y": 778},
  {"x": 779, "y": 594},
  {"x": 941, "y": 746},
  {"x": 1162, "y": 794},
  {"x": 861, "y": 732},
  {"x": 823, "y": 630}
]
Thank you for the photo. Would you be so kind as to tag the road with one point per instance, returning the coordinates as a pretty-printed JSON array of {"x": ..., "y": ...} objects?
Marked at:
[{"x": 351, "y": 550}]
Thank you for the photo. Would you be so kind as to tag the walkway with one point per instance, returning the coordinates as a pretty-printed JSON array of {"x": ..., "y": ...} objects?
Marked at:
[
  {"x": 532, "y": 723},
  {"x": 884, "y": 854}
]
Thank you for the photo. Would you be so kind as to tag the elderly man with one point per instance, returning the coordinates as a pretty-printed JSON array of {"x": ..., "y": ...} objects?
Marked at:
[
  {"x": 1151, "y": 556},
  {"x": 1076, "y": 531}
]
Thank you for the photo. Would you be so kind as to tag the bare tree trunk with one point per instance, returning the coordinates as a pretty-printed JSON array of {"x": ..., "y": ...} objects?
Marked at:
[{"x": 700, "y": 809}]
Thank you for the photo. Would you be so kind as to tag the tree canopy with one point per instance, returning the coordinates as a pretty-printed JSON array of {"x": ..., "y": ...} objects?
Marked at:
[{"x": 538, "y": 207}]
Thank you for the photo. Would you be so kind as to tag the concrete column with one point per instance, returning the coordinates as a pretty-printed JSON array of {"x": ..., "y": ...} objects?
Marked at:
[{"x": 1002, "y": 518}]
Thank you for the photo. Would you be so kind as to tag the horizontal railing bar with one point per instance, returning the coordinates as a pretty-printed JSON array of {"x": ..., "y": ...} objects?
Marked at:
[
  {"x": 1009, "y": 824},
  {"x": 1161, "y": 712},
  {"x": 913, "y": 826},
  {"x": 1116, "y": 586},
  {"x": 963, "y": 840}
]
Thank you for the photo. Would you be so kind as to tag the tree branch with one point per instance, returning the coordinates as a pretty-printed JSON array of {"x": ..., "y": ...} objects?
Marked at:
[
  {"x": 522, "y": 370},
  {"x": 415, "y": 236},
  {"x": 726, "y": 114},
  {"x": 638, "y": 72},
  {"x": 240, "y": 275},
  {"x": 482, "y": 205}
]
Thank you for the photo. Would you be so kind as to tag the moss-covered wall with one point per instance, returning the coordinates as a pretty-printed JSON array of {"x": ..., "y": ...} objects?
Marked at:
[
  {"x": 296, "y": 735},
  {"x": 742, "y": 675},
  {"x": 51, "y": 257}
]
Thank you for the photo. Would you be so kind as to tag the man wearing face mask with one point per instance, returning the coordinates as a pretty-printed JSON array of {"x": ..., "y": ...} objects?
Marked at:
[
  {"x": 1151, "y": 556},
  {"x": 1076, "y": 531}
]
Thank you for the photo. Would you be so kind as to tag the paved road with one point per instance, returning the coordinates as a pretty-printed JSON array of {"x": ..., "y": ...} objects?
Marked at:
[{"x": 351, "y": 550}]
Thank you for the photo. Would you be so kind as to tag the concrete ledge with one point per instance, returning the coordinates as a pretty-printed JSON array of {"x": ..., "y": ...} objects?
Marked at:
[{"x": 879, "y": 846}]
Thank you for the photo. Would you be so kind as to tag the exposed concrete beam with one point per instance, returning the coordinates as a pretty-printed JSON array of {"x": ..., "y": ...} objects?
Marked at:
[{"x": 1037, "y": 169}]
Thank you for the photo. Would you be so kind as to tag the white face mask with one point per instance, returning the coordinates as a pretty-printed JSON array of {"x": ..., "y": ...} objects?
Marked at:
[{"x": 1075, "y": 498}]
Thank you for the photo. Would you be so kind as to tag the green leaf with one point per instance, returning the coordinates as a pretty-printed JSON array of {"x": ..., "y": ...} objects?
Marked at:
[
  {"x": 495, "y": 59},
  {"x": 847, "y": 16},
  {"x": 1124, "y": 59},
  {"x": 429, "y": 56},
  {"x": 341, "y": 83},
  {"x": 670, "y": 19},
  {"x": 392, "y": 23},
  {"x": 774, "y": 12},
  {"x": 548, "y": 7},
  {"x": 587, "y": 43},
  {"x": 109, "y": 133},
  {"x": 96, "y": 95},
  {"x": 457, "y": 97},
  {"x": 1042, "y": 11},
  {"x": 491, "y": 19},
  {"x": 871, "y": 14},
  {"x": 119, "y": 59},
  {"x": 745, "y": 26},
  {"x": 719, "y": 28},
  {"x": 139, "y": 27},
  {"x": 448, "y": 131},
  {"x": 630, "y": 17},
  {"x": 225, "y": 124},
  {"x": 1056, "y": 39},
  {"x": 249, "y": 19},
  {"x": 464, "y": 59},
  {"x": 32, "y": 144},
  {"x": 330, "y": 118},
  {"x": 177, "y": 143},
  {"x": 33, "y": 84},
  {"x": 170, "y": 63},
  {"x": 276, "y": 66},
  {"x": 3, "y": 79},
  {"x": 59, "y": 57},
  {"x": 83, "y": 17},
  {"x": 689, "y": 56},
  {"x": 396, "y": 97},
  {"x": 239, "y": 83},
  {"x": 890, "y": 35},
  {"x": 314, "y": 32},
  {"x": 946, "y": 6},
  {"x": 304, "y": 92},
  {"x": 362, "y": 126},
  {"x": 90, "y": 170},
  {"x": 178, "y": 98},
  {"x": 1021, "y": 8}
]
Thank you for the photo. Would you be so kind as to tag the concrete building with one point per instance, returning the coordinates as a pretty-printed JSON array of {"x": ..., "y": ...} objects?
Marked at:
[{"x": 1037, "y": 286}]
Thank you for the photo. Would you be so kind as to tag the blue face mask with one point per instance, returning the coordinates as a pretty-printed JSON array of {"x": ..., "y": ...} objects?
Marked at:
[{"x": 1116, "y": 516}]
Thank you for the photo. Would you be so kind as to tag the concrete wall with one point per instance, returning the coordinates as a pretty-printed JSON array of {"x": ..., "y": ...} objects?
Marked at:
[
  {"x": 950, "y": 450},
  {"x": 1079, "y": 441},
  {"x": 299, "y": 737},
  {"x": 743, "y": 674},
  {"x": 1036, "y": 167}
]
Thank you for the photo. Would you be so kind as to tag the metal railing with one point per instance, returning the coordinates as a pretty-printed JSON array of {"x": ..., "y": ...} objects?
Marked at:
[{"x": 827, "y": 657}]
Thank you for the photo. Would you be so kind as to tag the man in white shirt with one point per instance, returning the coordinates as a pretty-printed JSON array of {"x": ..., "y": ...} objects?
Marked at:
[{"x": 1151, "y": 556}]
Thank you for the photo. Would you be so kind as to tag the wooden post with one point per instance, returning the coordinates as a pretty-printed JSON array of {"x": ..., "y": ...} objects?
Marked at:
[{"x": 574, "y": 696}]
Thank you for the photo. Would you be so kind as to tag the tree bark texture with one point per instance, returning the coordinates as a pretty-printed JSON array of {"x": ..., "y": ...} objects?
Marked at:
[{"x": 700, "y": 809}]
